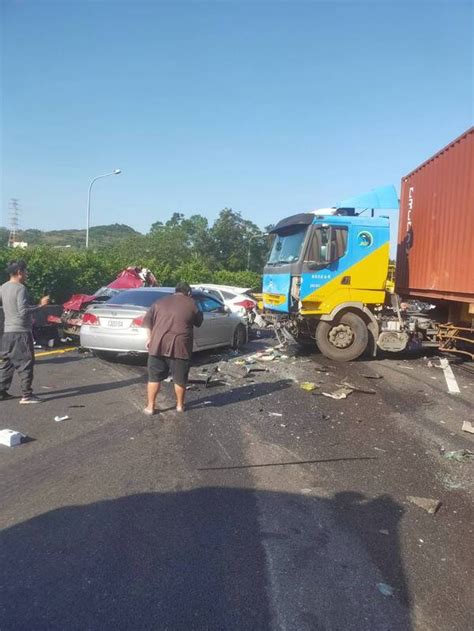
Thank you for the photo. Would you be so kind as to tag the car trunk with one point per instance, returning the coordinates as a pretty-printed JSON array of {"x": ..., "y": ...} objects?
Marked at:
[{"x": 117, "y": 317}]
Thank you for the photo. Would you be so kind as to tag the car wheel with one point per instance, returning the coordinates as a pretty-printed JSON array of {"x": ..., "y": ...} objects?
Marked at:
[
  {"x": 240, "y": 337},
  {"x": 108, "y": 356},
  {"x": 343, "y": 339}
]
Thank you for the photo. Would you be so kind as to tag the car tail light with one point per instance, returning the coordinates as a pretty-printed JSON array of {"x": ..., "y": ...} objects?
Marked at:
[
  {"x": 138, "y": 321},
  {"x": 90, "y": 318},
  {"x": 246, "y": 304},
  {"x": 52, "y": 319}
]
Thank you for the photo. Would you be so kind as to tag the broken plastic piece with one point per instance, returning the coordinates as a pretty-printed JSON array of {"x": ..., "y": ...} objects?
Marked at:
[
  {"x": 308, "y": 385},
  {"x": 340, "y": 393},
  {"x": 321, "y": 367},
  {"x": 386, "y": 590},
  {"x": 467, "y": 426},
  {"x": 58, "y": 419},
  {"x": 426, "y": 503},
  {"x": 275, "y": 414},
  {"x": 358, "y": 388}
]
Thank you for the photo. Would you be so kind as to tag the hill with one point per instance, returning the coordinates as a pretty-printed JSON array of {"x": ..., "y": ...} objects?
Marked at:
[{"x": 98, "y": 236}]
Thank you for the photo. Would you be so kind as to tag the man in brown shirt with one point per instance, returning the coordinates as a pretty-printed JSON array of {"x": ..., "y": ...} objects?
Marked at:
[{"x": 170, "y": 323}]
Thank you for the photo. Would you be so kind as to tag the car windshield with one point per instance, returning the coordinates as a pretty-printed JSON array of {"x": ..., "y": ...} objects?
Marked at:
[
  {"x": 138, "y": 298},
  {"x": 287, "y": 245}
]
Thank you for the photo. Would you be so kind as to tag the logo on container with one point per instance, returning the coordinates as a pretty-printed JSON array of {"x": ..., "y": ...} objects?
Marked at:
[{"x": 409, "y": 234}]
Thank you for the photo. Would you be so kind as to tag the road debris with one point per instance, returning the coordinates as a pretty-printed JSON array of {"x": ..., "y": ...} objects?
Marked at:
[
  {"x": 58, "y": 419},
  {"x": 321, "y": 368},
  {"x": 340, "y": 393},
  {"x": 375, "y": 375},
  {"x": 232, "y": 369},
  {"x": 275, "y": 414},
  {"x": 386, "y": 590},
  {"x": 10, "y": 437},
  {"x": 383, "y": 531},
  {"x": 309, "y": 386},
  {"x": 467, "y": 426},
  {"x": 346, "y": 384},
  {"x": 426, "y": 503},
  {"x": 285, "y": 464},
  {"x": 460, "y": 455}
]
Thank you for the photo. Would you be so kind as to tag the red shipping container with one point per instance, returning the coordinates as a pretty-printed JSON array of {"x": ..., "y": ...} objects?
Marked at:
[{"x": 435, "y": 257}]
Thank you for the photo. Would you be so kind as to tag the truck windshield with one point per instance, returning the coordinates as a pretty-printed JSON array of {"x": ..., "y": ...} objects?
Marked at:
[{"x": 287, "y": 245}]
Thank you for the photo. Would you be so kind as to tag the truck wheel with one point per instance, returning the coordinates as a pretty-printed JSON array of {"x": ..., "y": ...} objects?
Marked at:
[{"x": 343, "y": 339}]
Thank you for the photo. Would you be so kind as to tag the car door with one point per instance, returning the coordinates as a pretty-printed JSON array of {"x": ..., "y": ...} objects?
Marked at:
[{"x": 215, "y": 328}]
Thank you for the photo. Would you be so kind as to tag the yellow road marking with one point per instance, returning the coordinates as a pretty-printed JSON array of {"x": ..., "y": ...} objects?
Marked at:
[{"x": 59, "y": 351}]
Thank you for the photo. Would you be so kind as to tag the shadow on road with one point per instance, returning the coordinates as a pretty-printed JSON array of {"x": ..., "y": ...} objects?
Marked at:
[
  {"x": 207, "y": 559},
  {"x": 92, "y": 388},
  {"x": 243, "y": 393}
]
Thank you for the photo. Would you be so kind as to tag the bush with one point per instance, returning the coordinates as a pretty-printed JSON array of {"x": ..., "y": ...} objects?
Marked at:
[{"x": 62, "y": 272}]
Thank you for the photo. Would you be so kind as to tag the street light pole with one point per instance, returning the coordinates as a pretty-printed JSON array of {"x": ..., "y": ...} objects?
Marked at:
[{"x": 115, "y": 172}]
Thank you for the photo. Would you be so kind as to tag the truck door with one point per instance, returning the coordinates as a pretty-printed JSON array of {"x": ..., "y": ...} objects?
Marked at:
[{"x": 323, "y": 284}]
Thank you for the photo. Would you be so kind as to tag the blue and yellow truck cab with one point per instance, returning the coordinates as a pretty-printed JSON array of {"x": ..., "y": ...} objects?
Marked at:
[{"x": 326, "y": 272}]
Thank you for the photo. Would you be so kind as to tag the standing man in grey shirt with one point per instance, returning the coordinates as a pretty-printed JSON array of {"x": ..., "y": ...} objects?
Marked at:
[{"x": 16, "y": 351}]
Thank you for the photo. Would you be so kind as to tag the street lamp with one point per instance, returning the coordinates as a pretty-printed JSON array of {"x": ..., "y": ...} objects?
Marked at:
[
  {"x": 115, "y": 172},
  {"x": 254, "y": 236}
]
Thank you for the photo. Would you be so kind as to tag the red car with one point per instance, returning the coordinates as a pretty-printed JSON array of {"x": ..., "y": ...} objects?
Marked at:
[{"x": 73, "y": 310}]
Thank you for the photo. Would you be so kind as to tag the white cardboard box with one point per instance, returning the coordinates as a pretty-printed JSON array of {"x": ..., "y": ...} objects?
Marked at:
[{"x": 10, "y": 438}]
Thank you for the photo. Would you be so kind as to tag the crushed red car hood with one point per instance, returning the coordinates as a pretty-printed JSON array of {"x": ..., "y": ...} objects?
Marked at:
[
  {"x": 77, "y": 301},
  {"x": 127, "y": 279}
]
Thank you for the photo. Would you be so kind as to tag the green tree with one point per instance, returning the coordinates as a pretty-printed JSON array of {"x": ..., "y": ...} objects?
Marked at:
[{"x": 234, "y": 238}]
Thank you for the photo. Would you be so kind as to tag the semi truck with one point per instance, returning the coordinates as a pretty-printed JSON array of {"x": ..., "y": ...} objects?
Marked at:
[{"x": 328, "y": 281}]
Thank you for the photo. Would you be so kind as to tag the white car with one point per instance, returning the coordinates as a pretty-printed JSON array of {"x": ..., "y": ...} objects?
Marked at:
[
  {"x": 236, "y": 298},
  {"x": 117, "y": 326}
]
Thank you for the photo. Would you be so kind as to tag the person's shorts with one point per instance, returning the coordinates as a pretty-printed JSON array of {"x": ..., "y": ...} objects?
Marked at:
[{"x": 160, "y": 367}]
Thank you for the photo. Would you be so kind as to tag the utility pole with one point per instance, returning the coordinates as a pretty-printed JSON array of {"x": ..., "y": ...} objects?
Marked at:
[{"x": 14, "y": 215}]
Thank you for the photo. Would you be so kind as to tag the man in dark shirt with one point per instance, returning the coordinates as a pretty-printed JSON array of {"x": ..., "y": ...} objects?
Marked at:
[
  {"x": 16, "y": 351},
  {"x": 170, "y": 323}
]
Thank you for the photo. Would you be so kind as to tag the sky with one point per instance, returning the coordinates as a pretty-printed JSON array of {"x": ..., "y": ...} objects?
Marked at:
[{"x": 267, "y": 107}]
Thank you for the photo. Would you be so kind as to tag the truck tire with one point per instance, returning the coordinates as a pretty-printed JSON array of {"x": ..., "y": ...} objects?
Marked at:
[{"x": 343, "y": 339}]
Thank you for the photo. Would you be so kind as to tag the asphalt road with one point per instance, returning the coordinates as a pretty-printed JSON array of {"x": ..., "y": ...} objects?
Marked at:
[{"x": 264, "y": 506}]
